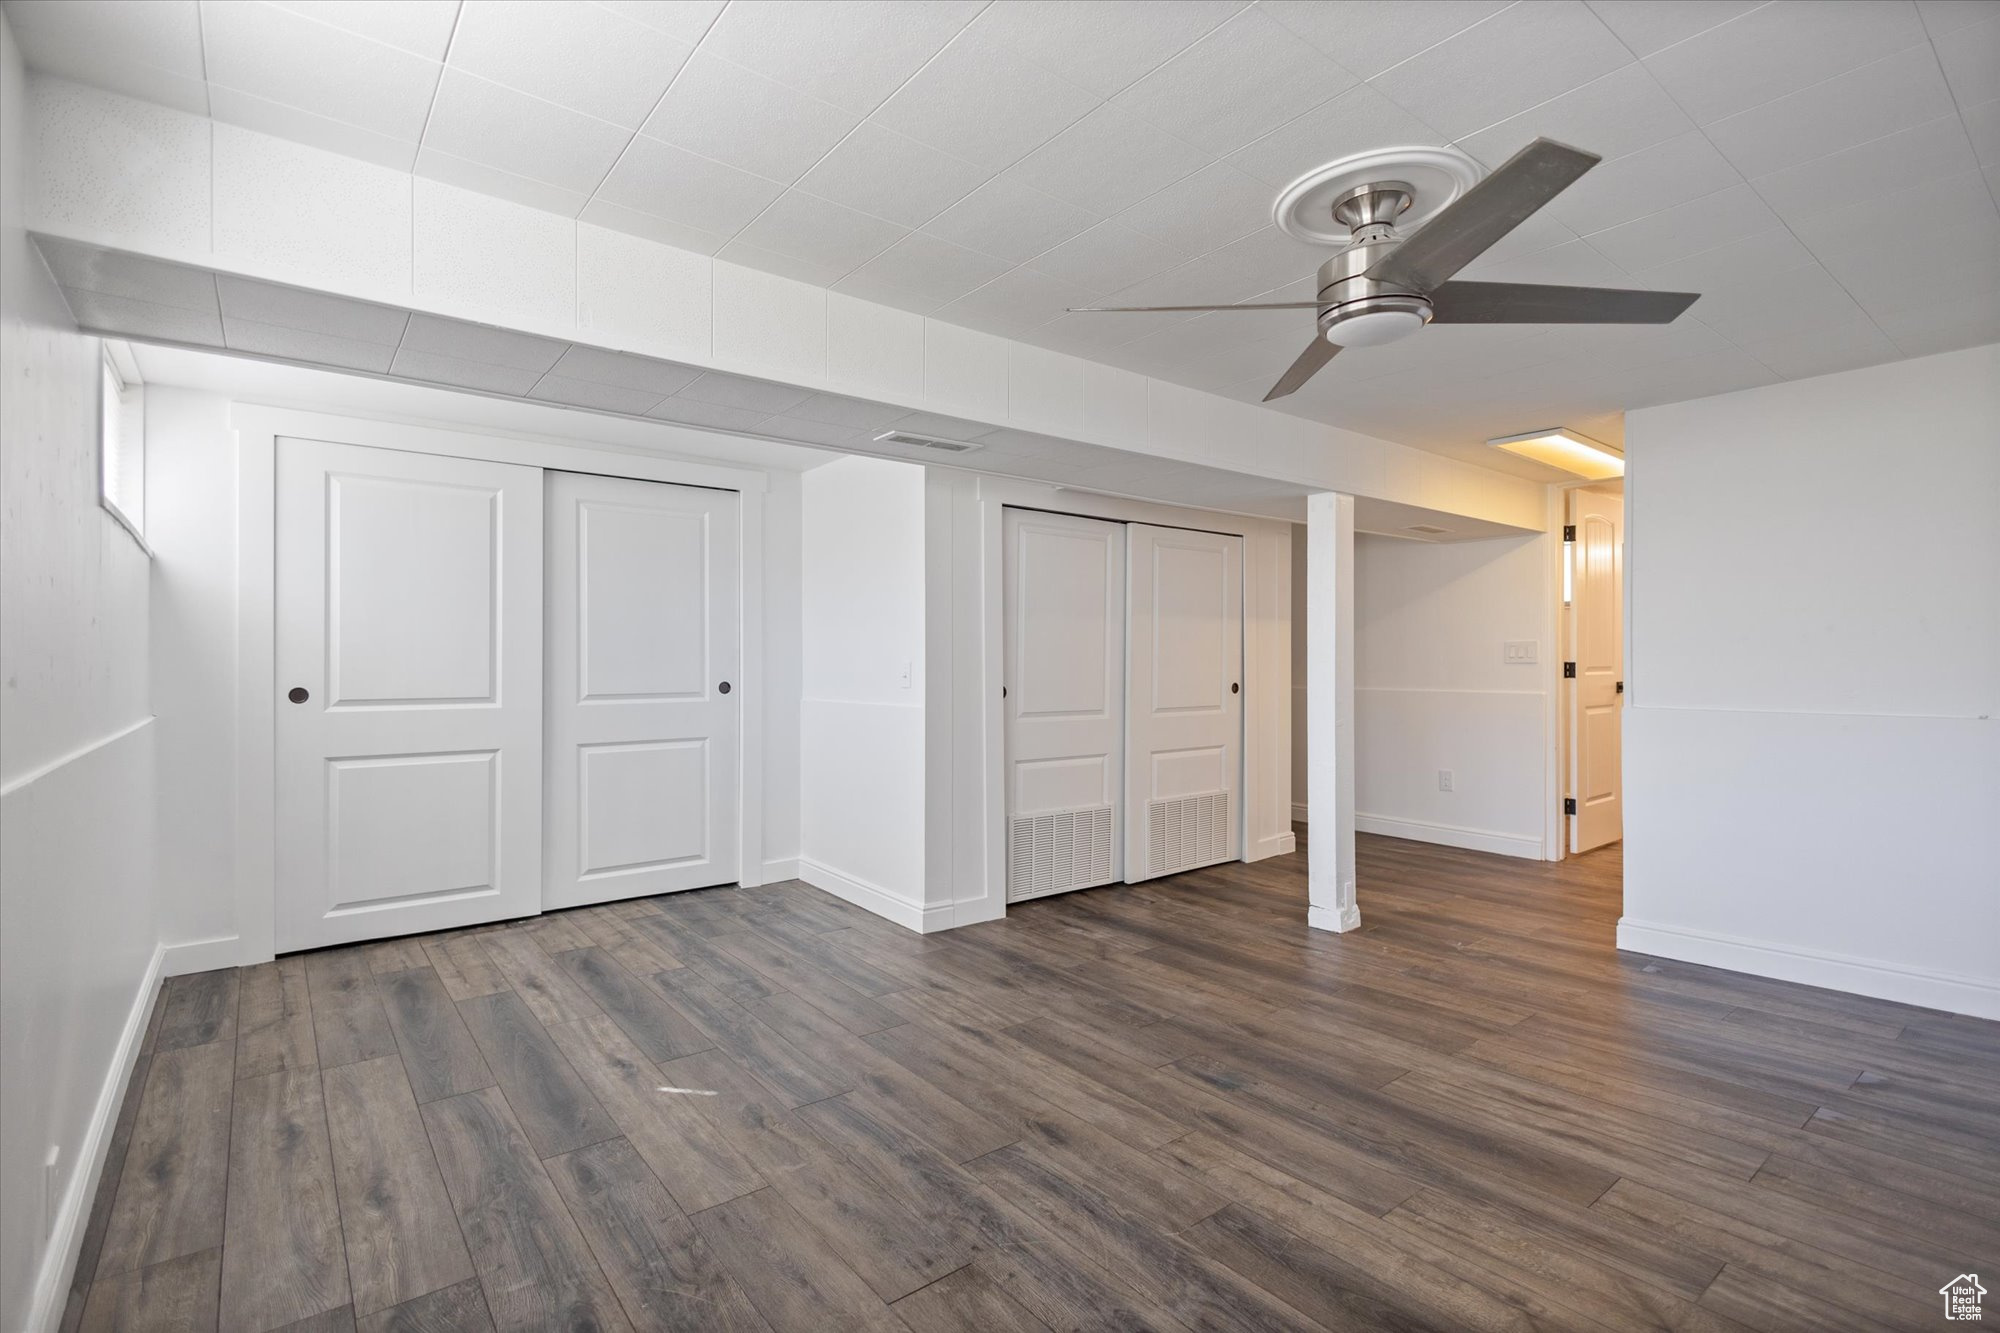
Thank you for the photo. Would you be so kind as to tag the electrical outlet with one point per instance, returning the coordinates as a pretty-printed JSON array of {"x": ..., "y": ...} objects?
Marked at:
[
  {"x": 1444, "y": 779},
  {"x": 904, "y": 680}
]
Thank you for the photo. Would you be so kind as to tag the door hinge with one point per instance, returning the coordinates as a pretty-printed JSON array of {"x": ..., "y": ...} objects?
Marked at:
[
  {"x": 1569, "y": 532},
  {"x": 1569, "y": 671},
  {"x": 1569, "y": 805}
]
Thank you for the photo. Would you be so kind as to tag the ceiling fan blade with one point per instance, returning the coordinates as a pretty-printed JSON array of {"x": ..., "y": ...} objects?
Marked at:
[
  {"x": 1148, "y": 309},
  {"x": 1317, "y": 354},
  {"x": 1532, "y": 303},
  {"x": 1483, "y": 214}
]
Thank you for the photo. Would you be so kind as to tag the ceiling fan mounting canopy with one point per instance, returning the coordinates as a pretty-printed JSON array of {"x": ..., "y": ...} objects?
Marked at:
[{"x": 1388, "y": 281}]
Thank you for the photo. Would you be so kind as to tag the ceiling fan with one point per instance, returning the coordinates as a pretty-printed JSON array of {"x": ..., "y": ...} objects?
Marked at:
[{"x": 1383, "y": 286}]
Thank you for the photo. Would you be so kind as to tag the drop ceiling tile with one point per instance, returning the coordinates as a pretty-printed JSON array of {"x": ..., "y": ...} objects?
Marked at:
[
  {"x": 813, "y": 432},
  {"x": 1236, "y": 85},
  {"x": 316, "y": 312},
  {"x": 455, "y": 338},
  {"x": 1912, "y": 157},
  {"x": 813, "y": 272},
  {"x": 321, "y": 349},
  {"x": 1369, "y": 36},
  {"x": 1540, "y": 232},
  {"x": 1009, "y": 220},
  {"x": 1775, "y": 305},
  {"x": 553, "y": 388},
  {"x": 1015, "y": 302},
  {"x": 854, "y": 413},
  {"x": 890, "y": 175},
  {"x": 1965, "y": 322},
  {"x": 1729, "y": 266},
  {"x": 105, "y": 313},
  {"x": 731, "y": 115},
  {"x": 438, "y": 368},
  {"x": 654, "y": 299},
  {"x": 1107, "y": 45},
  {"x": 1859, "y": 225},
  {"x": 1778, "y": 49},
  {"x": 724, "y": 390},
  {"x": 1268, "y": 258},
  {"x": 1897, "y": 93},
  {"x": 498, "y": 183},
  {"x": 1647, "y": 26},
  {"x": 1111, "y": 159},
  {"x": 1971, "y": 60},
  {"x": 851, "y": 53},
  {"x": 165, "y": 35},
  {"x": 421, "y": 27},
  {"x": 1517, "y": 59},
  {"x": 127, "y": 78},
  {"x": 1620, "y": 113},
  {"x": 647, "y": 226},
  {"x": 1685, "y": 229},
  {"x": 498, "y": 127},
  {"x": 1106, "y": 258},
  {"x": 1573, "y": 264},
  {"x": 1982, "y": 126},
  {"x": 954, "y": 102},
  {"x": 581, "y": 57},
  {"x": 1094, "y": 336},
  {"x": 1360, "y": 118},
  {"x": 1662, "y": 176},
  {"x": 289, "y": 122},
  {"x": 1944, "y": 17},
  {"x": 688, "y": 412},
  {"x": 1948, "y": 262},
  {"x": 938, "y": 425},
  {"x": 925, "y": 268},
  {"x": 287, "y": 58},
  {"x": 1846, "y": 344},
  {"x": 688, "y": 20},
  {"x": 684, "y": 188},
  {"x": 135, "y": 277},
  {"x": 836, "y": 239},
  {"x": 1211, "y": 208},
  {"x": 641, "y": 374}
]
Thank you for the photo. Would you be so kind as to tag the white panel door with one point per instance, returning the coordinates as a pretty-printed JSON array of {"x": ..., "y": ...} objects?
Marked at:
[
  {"x": 1597, "y": 582},
  {"x": 1064, "y": 595},
  {"x": 643, "y": 705},
  {"x": 1184, "y": 700},
  {"x": 409, "y": 692}
]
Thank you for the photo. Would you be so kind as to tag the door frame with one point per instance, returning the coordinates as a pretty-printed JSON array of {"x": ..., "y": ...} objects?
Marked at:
[
  {"x": 1267, "y": 707},
  {"x": 257, "y": 431}
]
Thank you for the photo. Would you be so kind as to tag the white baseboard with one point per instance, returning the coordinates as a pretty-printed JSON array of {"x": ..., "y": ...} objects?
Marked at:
[
  {"x": 1450, "y": 835},
  {"x": 58, "y": 1265},
  {"x": 1281, "y": 844},
  {"x": 779, "y": 870},
  {"x": 203, "y": 955},
  {"x": 874, "y": 898},
  {"x": 1299, "y": 812},
  {"x": 1949, "y": 991},
  {"x": 1336, "y": 919}
]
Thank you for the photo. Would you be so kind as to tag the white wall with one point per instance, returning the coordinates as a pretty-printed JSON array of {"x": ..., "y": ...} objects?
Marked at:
[
  {"x": 1432, "y": 691},
  {"x": 77, "y": 944},
  {"x": 1812, "y": 761},
  {"x": 861, "y": 711}
]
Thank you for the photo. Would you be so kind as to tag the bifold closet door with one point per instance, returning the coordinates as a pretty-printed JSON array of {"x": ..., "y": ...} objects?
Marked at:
[
  {"x": 1063, "y": 589},
  {"x": 643, "y": 698},
  {"x": 1184, "y": 700},
  {"x": 408, "y": 692}
]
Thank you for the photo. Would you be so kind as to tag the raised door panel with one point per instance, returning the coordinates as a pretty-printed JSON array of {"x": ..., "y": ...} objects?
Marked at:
[
  {"x": 643, "y": 583},
  {"x": 409, "y": 692}
]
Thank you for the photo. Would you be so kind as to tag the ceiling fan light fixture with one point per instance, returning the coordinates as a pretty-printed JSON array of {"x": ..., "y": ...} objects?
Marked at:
[
  {"x": 1565, "y": 449},
  {"x": 1372, "y": 328}
]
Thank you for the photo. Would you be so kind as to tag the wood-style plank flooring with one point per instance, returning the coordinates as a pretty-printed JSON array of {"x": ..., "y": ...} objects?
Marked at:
[{"x": 1167, "y": 1106}]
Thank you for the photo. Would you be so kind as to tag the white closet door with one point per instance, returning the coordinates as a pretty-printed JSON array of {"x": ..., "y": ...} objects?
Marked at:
[
  {"x": 643, "y": 703},
  {"x": 1064, "y": 594},
  {"x": 1184, "y": 700},
  {"x": 409, "y": 692},
  {"x": 1596, "y": 696}
]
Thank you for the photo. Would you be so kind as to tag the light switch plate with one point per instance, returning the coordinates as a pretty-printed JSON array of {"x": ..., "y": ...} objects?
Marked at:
[{"x": 1518, "y": 652}]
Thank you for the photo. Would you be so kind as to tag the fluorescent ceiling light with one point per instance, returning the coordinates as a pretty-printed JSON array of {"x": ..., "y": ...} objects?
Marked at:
[{"x": 1567, "y": 450}]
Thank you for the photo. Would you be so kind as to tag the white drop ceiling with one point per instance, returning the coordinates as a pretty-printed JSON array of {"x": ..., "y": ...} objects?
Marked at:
[{"x": 1824, "y": 171}]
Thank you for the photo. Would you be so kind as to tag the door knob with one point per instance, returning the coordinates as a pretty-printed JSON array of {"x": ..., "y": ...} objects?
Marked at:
[
  {"x": 724, "y": 687},
  {"x": 297, "y": 694}
]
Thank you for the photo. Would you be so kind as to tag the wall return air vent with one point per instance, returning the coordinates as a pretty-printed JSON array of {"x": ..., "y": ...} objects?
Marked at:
[{"x": 924, "y": 442}]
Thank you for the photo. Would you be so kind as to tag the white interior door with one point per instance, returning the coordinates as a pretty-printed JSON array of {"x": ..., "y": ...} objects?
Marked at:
[
  {"x": 409, "y": 692},
  {"x": 1184, "y": 700},
  {"x": 1064, "y": 595},
  {"x": 643, "y": 704},
  {"x": 1597, "y": 587}
]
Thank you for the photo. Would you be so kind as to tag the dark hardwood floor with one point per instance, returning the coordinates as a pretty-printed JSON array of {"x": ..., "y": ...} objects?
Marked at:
[{"x": 1166, "y": 1106}]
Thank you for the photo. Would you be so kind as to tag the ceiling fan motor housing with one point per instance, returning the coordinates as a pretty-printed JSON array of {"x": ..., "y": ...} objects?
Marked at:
[{"x": 1361, "y": 312}]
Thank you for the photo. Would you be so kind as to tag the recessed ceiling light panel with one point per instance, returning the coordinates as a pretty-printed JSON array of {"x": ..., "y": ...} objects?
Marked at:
[{"x": 1567, "y": 450}]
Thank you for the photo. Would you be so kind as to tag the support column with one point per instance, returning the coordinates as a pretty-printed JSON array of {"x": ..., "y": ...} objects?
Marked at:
[{"x": 1330, "y": 712}]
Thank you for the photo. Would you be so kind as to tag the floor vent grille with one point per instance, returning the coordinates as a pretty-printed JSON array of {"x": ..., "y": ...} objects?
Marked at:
[
  {"x": 1066, "y": 849},
  {"x": 1186, "y": 832}
]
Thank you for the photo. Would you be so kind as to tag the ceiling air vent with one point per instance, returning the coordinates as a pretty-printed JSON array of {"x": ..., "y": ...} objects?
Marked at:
[
  {"x": 924, "y": 442},
  {"x": 1428, "y": 529}
]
